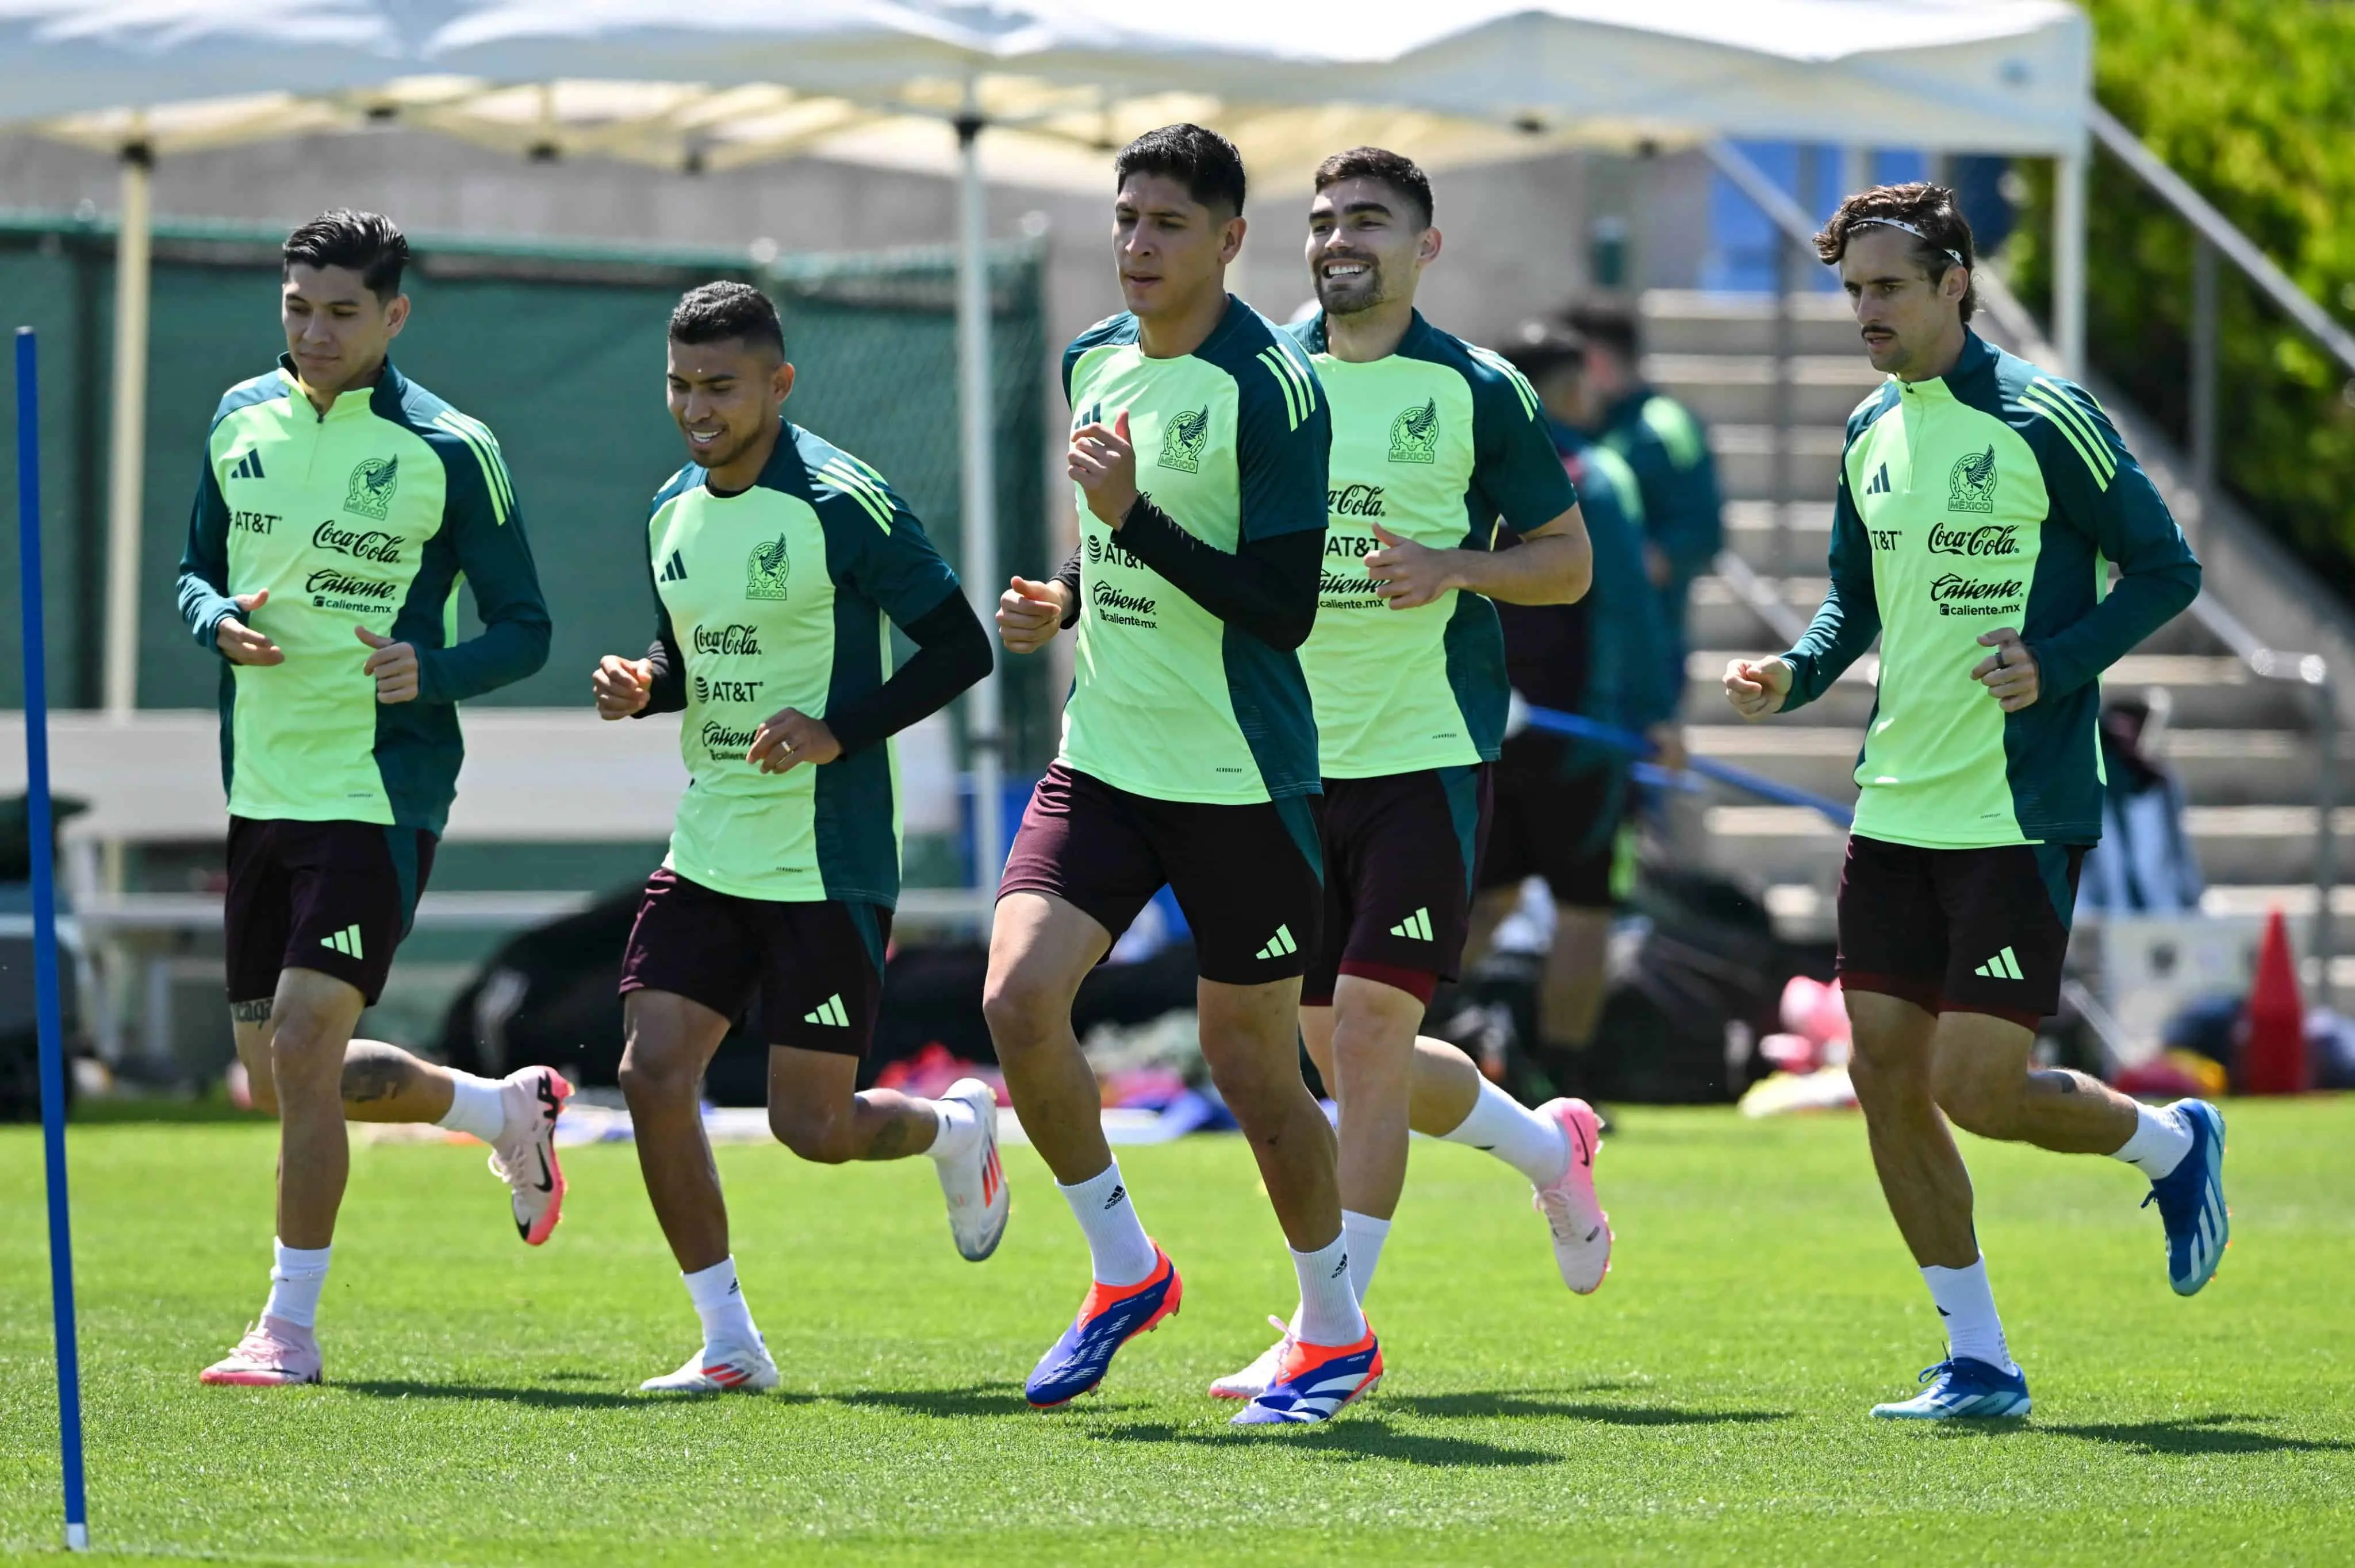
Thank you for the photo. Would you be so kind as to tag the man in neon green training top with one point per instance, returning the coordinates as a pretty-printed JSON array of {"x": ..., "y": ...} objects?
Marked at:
[
  {"x": 1436, "y": 444},
  {"x": 1198, "y": 450},
  {"x": 1980, "y": 505},
  {"x": 340, "y": 504},
  {"x": 780, "y": 564}
]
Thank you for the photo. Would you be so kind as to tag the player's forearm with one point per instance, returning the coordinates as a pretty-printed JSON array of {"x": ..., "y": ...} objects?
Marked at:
[
  {"x": 1268, "y": 587},
  {"x": 1067, "y": 578},
  {"x": 952, "y": 654},
  {"x": 509, "y": 649},
  {"x": 2142, "y": 603},
  {"x": 666, "y": 691},
  {"x": 1836, "y": 638},
  {"x": 1551, "y": 568},
  {"x": 203, "y": 606}
]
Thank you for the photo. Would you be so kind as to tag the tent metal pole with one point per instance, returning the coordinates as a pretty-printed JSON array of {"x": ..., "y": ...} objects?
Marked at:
[
  {"x": 985, "y": 725},
  {"x": 2068, "y": 261},
  {"x": 127, "y": 455}
]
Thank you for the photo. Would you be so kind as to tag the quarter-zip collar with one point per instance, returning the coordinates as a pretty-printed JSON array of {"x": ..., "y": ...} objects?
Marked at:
[
  {"x": 351, "y": 402},
  {"x": 1961, "y": 378}
]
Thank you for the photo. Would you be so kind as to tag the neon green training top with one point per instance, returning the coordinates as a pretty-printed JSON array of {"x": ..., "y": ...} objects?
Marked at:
[{"x": 1437, "y": 442}]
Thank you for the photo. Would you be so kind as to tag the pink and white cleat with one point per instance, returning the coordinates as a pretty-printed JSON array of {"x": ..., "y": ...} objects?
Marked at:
[
  {"x": 525, "y": 1155},
  {"x": 1582, "y": 1231},
  {"x": 273, "y": 1352}
]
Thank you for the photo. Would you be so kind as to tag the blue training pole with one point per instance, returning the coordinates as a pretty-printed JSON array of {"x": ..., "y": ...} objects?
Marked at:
[
  {"x": 1634, "y": 744},
  {"x": 45, "y": 936}
]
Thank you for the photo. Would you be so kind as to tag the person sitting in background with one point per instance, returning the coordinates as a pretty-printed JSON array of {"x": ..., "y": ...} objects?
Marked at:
[{"x": 2145, "y": 864}]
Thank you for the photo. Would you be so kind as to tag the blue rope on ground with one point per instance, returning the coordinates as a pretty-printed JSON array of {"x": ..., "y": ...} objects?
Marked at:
[
  {"x": 40, "y": 843},
  {"x": 1635, "y": 745}
]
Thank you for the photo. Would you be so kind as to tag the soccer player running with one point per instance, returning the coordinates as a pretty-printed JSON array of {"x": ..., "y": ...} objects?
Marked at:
[
  {"x": 340, "y": 504},
  {"x": 1977, "y": 499},
  {"x": 1435, "y": 443},
  {"x": 1561, "y": 802},
  {"x": 776, "y": 559},
  {"x": 1198, "y": 447}
]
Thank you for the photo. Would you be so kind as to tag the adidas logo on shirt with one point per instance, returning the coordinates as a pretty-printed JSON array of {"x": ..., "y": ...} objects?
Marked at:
[
  {"x": 675, "y": 570},
  {"x": 830, "y": 1012},
  {"x": 1415, "y": 928},
  {"x": 1880, "y": 486},
  {"x": 2003, "y": 966},
  {"x": 346, "y": 941},
  {"x": 1280, "y": 946},
  {"x": 248, "y": 467}
]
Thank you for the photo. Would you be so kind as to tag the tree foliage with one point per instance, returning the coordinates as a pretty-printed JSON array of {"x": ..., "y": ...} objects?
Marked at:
[{"x": 2253, "y": 101}]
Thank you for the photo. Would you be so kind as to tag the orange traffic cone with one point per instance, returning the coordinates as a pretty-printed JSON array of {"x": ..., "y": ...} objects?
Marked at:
[{"x": 2273, "y": 1024}]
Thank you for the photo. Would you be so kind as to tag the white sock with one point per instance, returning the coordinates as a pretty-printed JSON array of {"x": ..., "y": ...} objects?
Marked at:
[
  {"x": 1515, "y": 1134},
  {"x": 719, "y": 1302},
  {"x": 2160, "y": 1141},
  {"x": 297, "y": 1275},
  {"x": 1329, "y": 1302},
  {"x": 1118, "y": 1247},
  {"x": 1365, "y": 1236},
  {"x": 957, "y": 1129},
  {"x": 1966, "y": 1311},
  {"x": 476, "y": 1106}
]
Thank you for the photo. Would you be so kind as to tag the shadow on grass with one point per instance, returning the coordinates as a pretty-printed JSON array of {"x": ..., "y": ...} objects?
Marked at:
[
  {"x": 948, "y": 1404},
  {"x": 1350, "y": 1439},
  {"x": 2217, "y": 1434},
  {"x": 1490, "y": 1403},
  {"x": 537, "y": 1398}
]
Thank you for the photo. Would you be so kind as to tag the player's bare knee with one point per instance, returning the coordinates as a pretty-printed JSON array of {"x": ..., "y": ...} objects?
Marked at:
[
  {"x": 1977, "y": 1100},
  {"x": 820, "y": 1135},
  {"x": 654, "y": 1075},
  {"x": 1021, "y": 1008}
]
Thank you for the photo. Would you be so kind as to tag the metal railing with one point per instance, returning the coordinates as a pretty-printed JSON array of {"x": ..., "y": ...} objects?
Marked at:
[{"x": 2215, "y": 235}]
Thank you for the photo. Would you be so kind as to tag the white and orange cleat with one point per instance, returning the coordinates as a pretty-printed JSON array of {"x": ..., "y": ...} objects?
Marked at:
[
  {"x": 720, "y": 1369},
  {"x": 525, "y": 1155},
  {"x": 1251, "y": 1381},
  {"x": 1582, "y": 1231},
  {"x": 975, "y": 1183},
  {"x": 274, "y": 1352}
]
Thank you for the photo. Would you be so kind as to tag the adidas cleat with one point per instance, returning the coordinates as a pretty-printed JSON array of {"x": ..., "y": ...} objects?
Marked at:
[
  {"x": 1962, "y": 1389},
  {"x": 2190, "y": 1200},
  {"x": 975, "y": 1185},
  {"x": 272, "y": 1354},
  {"x": 525, "y": 1155},
  {"x": 1582, "y": 1231},
  {"x": 1252, "y": 1382},
  {"x": 1314, "y": 1382},
  {"x": 719, "y": 1369},
  {"x": 1110, "y": 1316}
]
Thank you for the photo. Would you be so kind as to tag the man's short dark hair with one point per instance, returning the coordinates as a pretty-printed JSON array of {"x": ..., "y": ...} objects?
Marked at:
[
  {"x": 715, "y": 313},
  {"x": 1537, "y": 349},
  {"x": 1609, "y": 323},
  {"x": 367, "y": 242},
  {"x": 1201, "y": 160},
  {"x": 1392, "y": 169},
  {"x": 1926, "y": 215}
]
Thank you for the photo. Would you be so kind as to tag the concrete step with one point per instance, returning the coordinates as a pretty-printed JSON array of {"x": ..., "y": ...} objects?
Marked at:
[
  {"x": 1739, "y": 389},
  {"x": 1805, "y": 538},
  {"x": 1692, "y": 321},
  {"x": 1746, "y": 462},
  {"x": 2235, "y": 844},
  {"x": 2208, "y": 692}
]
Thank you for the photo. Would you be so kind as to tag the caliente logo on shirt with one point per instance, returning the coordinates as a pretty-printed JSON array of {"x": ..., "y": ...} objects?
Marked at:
[
  {"x": 766, "y": 568},
  {"x": 1971, "y": 486},
  {"x": 1414, "y": 434},
  {"x": 370, "y": 491},
  {"x": 1182, "y": 442}
]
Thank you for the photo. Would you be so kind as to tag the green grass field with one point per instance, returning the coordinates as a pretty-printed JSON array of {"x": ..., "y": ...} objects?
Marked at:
[{"x": 1707, "y": 1405}]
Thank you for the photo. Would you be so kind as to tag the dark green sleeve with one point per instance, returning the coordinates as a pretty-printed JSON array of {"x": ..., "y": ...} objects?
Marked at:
[
  {"x": 897, "y": 568},
  {"x": 1850, "y": 616},
  {"x": 1283, "y": 445},
  {"x": 1516, "y": 470},
  {"x": 2098, "y": 489},
  {"x": 203, "y": 563},
  {"x": 486, "y": 530},
  {"x": 1682, "y": 510}
]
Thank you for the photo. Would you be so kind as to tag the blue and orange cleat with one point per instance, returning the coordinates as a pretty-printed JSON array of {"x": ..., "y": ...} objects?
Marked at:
[
  {"x": 1110, "y": 1316},
  {"x": 2190, "y": 1200},
  {"x": 1315, "y": 1382}
]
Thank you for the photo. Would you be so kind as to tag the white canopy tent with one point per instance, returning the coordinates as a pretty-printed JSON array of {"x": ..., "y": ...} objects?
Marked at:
[{"x": 1055, "y": 84}]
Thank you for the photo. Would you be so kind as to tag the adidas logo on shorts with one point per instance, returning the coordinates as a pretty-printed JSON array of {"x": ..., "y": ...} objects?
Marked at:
[
  {"x": 1280, "y": 946},
  {"x": 1415, "y": 926},
  {"x": 2003, "y": 966},
  {"x": 346, "y": 941},
  {"x": 830, "y": 1012}
]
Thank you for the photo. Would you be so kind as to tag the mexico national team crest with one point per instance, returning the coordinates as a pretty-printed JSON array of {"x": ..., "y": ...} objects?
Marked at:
[
  {"x": 1414, "y": 434},
  {"x": 765, "y": 572},
  {"x": 1182, "y": 442},
  {"x": 1971, "y": 487},
  {"x": 370, "y": 492}
]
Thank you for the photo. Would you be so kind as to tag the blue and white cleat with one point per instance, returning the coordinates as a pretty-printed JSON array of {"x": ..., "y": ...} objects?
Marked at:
[
  {"x": 1110, "y": 1316},
  {"x": 2190, "y": 1200},
  {"x": 1963, "y": 1389},
  {"x": 1313, "y": 1383}
]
